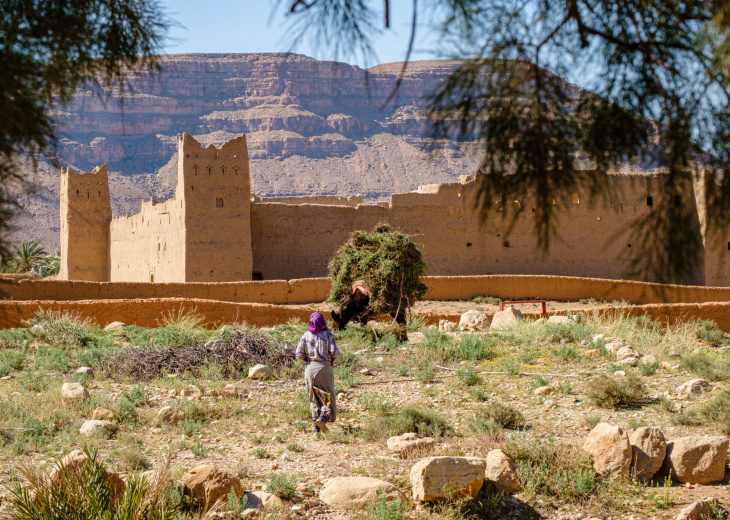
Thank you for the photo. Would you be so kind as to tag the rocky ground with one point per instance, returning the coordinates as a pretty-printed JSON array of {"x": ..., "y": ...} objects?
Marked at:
[{"x": 534, "y": 390}]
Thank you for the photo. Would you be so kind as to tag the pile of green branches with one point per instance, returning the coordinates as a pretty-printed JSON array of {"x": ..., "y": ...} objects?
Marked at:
[{"x": 386, "y": 261}]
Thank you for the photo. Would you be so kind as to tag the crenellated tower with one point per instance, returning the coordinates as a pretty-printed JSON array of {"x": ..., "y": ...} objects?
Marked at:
[
  {"x": 215, "y": 193},
  {"x": 86, "y": 214}
]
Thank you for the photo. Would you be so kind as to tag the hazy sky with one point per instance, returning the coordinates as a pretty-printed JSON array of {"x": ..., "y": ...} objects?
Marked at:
[{"x": 248, "y": 26}]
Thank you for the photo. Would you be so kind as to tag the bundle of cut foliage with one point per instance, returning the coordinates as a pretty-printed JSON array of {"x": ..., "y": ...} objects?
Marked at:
[
  {"x": 231, "y": 354},
  {"x": 389, "y": 264}
]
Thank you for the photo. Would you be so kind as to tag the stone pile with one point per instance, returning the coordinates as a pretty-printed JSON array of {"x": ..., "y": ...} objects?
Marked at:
[{"x": 690, "y": 460}]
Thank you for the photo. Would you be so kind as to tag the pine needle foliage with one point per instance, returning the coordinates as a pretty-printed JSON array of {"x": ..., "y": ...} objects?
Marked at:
[{"x": 387, "y": 261}]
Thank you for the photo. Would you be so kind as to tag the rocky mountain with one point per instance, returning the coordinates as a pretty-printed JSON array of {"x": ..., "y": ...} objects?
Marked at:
[{"x": 313, "y": 128}]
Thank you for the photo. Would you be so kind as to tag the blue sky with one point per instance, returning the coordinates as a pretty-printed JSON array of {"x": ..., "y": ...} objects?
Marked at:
[{"x": 248, "y": 26}]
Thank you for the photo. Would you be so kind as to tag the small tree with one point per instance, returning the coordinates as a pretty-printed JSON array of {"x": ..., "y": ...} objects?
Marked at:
[{"x": 388, "y": 262}]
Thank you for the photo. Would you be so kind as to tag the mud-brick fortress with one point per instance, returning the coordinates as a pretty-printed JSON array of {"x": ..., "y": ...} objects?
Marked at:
[{"x": 214, "y": 230}]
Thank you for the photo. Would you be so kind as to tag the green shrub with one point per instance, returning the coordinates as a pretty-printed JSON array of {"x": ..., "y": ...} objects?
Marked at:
[
  {"x": 712, "y": 366},
  {"x": 501, "y": 414},
  {"x": 85, "y": 493},
  {"x": 539, "y": 381},
  {"x": 617, "y": 392},
  {"x": 477, "y": 393},
  {"x": 236, "y": 505},
  {"x": 566, "y": 352},
  {"x": 53, "y": 358},
  {"x": 546, "y": 469},
  {"x": 189, "y": 428},
  {"x": 425, "y": 372},
  {"x": 487, "y": 300},
  {"x": 468, "y": 376},
  {"x": 66, "y": 330},
  {"x": 388, "y": 342},
  {"x": 377, "y": 404},
  {"x": 261, "y": 453},
  {"x": 592, "y": 420},
  {"x": 714, "y": 413},
  {"x": 648, "y": 369},
  {"x": 383, "y": 509},
  {"x": 480, "y": 423},
  {"x": 14, "y": 338},
  {"x": 407, "y": 419},
  {"x": 282, "y": 485},
  {"x": 33, "y": 381},
  {"x": 475, "y": 348},
  {"x": 707, "y": 330}
]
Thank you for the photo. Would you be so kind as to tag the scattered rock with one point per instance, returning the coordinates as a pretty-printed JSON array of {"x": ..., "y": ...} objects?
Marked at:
[
  {"x": 543, "y": 390},
  {"x": 166, "y": 415},
  {"x": 505, "y": 318},
  {"x": 115, "y": 326},
  {"x": 696, "y": 460},
  {"x": 611, "y": 450},
  {"x": 629, "y": 362},
  {"x": 102, "y": 414},
  {"x": 191, "y": 392},
  {"x": 695, "y": 386},
  {"x": 87, "y": 371},
  {"x": 549, "y": 405},
  {"x": 262, "y": 500},
  {"x": 98, "y": 427},
  {"x": 501, "y": 472},
  {"x": 697, "y": 510},
  {"x": 75, "y": 460},
  {"x": 230, "y": 390},
  {"x": 474, "y": 321},
  {"x": 619, "y": 373},
  {"x": 260, "y": 372},
  {"x": 74, "y": 392},
  {"x": 648, "y": 449},
  {"x": 410, "y": 445},
  {"x": 627, "y": 352},
  {"x": 206, "y": 484},
  {"x": 447, "y": 326},
  {"x": 365, "y": 371},
  {"x": 437, "y": 478},
  {"x": 648, "y": 359},
  {"x": 356, "y": 492},
  {"x": 615, "y": 344}
]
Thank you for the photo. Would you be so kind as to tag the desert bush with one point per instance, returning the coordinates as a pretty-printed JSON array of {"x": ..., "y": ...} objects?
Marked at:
[
  {"x": 547, "y": 469},
  {"x": 565, "y": 352},
  {"x": 33, "y": 381},
  {"x": 714, "y": 413},
  {"x": 713, "y": 366},
  {"x": 377, "y": 404},
  {"x": 383, "y": 509},
  {"x": 648, "y": 369},
  {"x": 475, "y": 348},
  {"x": 487, "y": 300},
  {"x": 425, "y": 371},
  {"x": 52, "y": 358},
  {"x": 355, "y": 336},
  {"x": 501, "y": 414},
  {"x": 707, "y": 330},
  {"x": 66, "y": 330},
  {"x": 85, "y": 494},
  {"x": 468, "y": 376},
  {"x": 477, "y": 393},
  {"x": 133, "y": 459},
  {"x": 14, "y": 338},
  {"x": 617, "y": 392},
  {"x": 568, "y": 332},
  {"x": 387, "y": 261},
  {"x": 407, "y": 419},
  {"x": 282, "y": 485}
]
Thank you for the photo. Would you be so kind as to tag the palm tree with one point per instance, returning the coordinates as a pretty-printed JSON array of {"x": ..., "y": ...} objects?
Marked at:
[
  {"x": 28, "y": 254},
  {"x": 49, "y": 265}
]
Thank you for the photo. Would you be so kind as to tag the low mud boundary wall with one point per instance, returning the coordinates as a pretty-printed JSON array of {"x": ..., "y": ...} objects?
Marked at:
[
  {"x": 151, "y": 312},
  {"x": 310, "y": 290}
]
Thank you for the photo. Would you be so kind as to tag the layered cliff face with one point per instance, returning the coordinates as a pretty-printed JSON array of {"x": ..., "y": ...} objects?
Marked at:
[{"x": 313, "y": 128}]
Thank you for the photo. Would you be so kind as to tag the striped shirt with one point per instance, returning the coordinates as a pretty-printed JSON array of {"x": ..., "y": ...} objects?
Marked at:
[{"x": 317, "y": 347}]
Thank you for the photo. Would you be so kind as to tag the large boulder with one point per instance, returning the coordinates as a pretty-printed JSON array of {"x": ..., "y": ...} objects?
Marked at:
[
  {"x": 694, "y": 386},
  {"x": 166, "y": 415},
  {"x": 501, "y": 472},
  {"x": 447, "y": 326},
  {"x": 697, "y": 510},
  {"x": 74, "y": 392},
  {"x": 611, "y": 450},
  {"x": 356, "y": 492},
  {"x": 438, "y": 478},
  {"x": 648, "y": 449},
  {"x": 98, "y": 428},
  {"x": 410, "y": 445},
  {"x": 615, "y": 344},
  {"x": 506, "y": 318},
  {"x": 260, "y": 372},
  {"x": 205, "y": 484},
  {"x": 627, "y": 352},
  {"x": 85, "y": 371},
  {"x": 102, "y": 414},
  {"x": 262, "y": 500},
  {"x": 191, "y": 392},
  {"x": 696, "y": 460},
  {"x": 474, "y": 321}
]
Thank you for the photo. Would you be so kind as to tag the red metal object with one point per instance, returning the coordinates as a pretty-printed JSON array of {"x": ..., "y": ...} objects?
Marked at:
[{"x": 544, "y": 305}]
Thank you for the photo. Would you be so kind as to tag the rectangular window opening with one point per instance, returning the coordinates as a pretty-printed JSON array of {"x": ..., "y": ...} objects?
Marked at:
[
  {"x": 649, "y": 201},
  {"x": 575, "y": 199},
  {"x": 219, "y": 202}
]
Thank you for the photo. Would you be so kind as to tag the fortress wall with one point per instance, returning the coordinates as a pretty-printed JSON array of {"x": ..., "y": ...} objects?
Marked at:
[
  {"x": 328, "y": 200},
  {"x": 310, "y": 290},
  {"x": 215, "y": 187},
  {"x": 85, "y": 217},
  {"x": 593, "y": 240},
  {"x": 150, "y": 245}
]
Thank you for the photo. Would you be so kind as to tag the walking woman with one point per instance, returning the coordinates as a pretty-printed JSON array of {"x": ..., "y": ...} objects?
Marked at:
[{"x": 317, "y": 350}]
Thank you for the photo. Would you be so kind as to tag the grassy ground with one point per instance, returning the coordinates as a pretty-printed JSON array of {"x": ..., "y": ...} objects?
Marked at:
[{"x": 468, "y": 390}]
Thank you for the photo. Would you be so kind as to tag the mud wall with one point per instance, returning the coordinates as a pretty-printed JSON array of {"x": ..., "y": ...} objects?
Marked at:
[
  {"x": 594, "y": 239},
  {"x": 310, "y": 290},
  {"x": 150, "y": 245}
]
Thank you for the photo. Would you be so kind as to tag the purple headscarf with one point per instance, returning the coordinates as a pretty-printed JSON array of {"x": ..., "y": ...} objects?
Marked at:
[{"x": 317, "y": 323}]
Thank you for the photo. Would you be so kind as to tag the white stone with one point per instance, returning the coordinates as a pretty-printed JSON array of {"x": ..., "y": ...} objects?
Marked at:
[
  {"x": 356, "y": 492},
  {"x": 474, "y": 321},
  {"x": 695, "y": 386},
  {"x": 260, "y": 372},
  {"x": 410, "y": 445},
  {"x": 96, "y": 427},
  {"x": 438, "y": 478},
  {"x": 74, "y": 392},
  {"x": 87, "y": 371},
  {"x": 505, "y": 318},
  {"x": 115, "y": 326}
]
